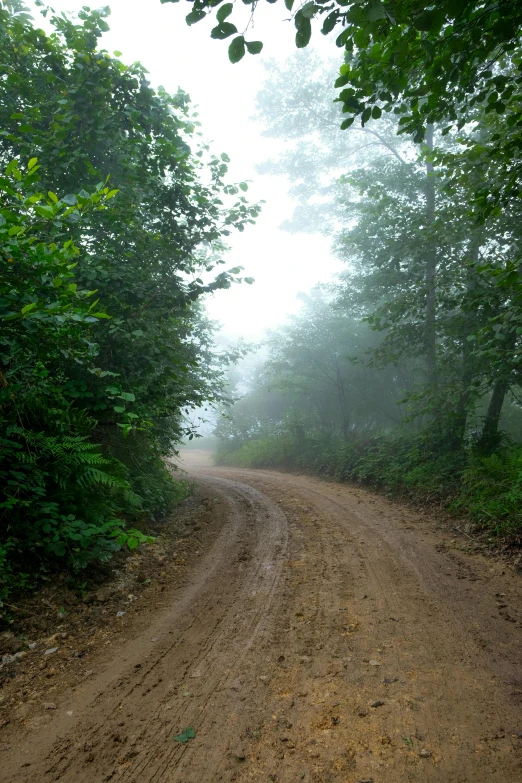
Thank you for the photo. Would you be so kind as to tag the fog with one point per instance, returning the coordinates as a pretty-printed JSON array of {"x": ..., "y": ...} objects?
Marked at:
[{"x": 282, "y": 264}]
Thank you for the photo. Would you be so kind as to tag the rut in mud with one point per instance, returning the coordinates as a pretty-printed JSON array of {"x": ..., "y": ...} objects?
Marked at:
[{"x": 326, "y": 635}]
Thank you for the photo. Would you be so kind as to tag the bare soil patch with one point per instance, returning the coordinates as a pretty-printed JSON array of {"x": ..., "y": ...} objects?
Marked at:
[{"x": 322, "y": 634}]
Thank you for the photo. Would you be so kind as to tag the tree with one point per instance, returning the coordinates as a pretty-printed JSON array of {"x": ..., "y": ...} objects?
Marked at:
[{"x": 108, "y": 192}]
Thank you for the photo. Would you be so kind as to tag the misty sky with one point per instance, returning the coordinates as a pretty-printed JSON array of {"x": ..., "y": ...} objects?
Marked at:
[{"x": 175, "y": 55}]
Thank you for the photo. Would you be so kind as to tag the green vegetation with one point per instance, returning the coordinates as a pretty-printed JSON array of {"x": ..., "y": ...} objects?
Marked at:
[
  {"x": 111, "y": 212},
  {"x": 405, "y": 373}
]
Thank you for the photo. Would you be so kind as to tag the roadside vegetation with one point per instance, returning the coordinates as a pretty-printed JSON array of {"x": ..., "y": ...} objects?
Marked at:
[
  {"x": 405, "y": 373},
  {"x": 113, "y": 219}
]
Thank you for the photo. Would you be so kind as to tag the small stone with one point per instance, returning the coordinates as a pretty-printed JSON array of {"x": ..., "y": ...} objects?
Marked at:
[
  {"x": 51, "y": 650},
  {"x": 425, "y": 754},
  {"x": 365, "y": 780},
  {"x": 377, "y": 703},
  {"x": 120, "y": 614},
  {"x": 374, "y": 663},
  {"x": 362, "y": 712},
  {"x": 239, "y": 754},
  {"x": 102, "y": 596},
  {"x": 49, "y": 705},
  {"x": 264, "y": 678}
]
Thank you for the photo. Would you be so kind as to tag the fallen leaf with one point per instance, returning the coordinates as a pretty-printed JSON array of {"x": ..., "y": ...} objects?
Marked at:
[{"x": 187, "y": 734}]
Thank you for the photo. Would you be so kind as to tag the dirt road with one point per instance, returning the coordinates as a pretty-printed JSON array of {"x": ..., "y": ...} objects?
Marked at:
[{"x": 324, "y": 635}]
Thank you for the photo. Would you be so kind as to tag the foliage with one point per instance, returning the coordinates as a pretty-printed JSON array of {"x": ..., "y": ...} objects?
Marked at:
[
  {"x": 425, "y": 63},
  {"x": 112, "y": 211},
  {"x": 403, "y": 373},
  {"x": 485, "y": 490}
]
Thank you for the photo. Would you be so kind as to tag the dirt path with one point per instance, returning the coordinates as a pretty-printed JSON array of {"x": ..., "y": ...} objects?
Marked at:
[{"x": 325, "y": 635}]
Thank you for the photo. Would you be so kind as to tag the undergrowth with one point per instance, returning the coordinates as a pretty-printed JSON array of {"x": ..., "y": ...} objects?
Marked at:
[{"x": 486, "y": 490}]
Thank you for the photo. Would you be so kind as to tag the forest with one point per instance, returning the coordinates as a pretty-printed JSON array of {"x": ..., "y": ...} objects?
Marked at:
[{"x": 405, "y": 373}]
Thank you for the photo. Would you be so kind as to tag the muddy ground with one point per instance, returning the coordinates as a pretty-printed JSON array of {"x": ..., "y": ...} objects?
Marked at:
[{"x": 301, "y": 630}]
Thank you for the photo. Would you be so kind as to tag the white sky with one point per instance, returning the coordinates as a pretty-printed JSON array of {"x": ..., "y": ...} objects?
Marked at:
[{"x": 175, "y": 55}]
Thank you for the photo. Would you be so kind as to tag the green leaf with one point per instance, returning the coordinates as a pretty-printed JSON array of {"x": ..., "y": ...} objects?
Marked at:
[
  {"x": 223, "y": 30},
  {"x": 236, "y": 50},
  {"x": 28, "y": 308},
  {"x": 32, "y": 163},
  {"x": 304, "y": 31},
  {"x": 119, "y": 408},
  {"x": 429, "y": 20},
  {"x": 101, "y": 315},
  {"x": 187, "y": 734},
  {"x": 367, "y": 113},
  {"x": 375, "y": 11},
  {"x": 128, "y": 396},
  {"x": 309, "y": 9},
  {"x": 224, "y": 11},
  {"x": 254, "y": 47},
  {"x": 53, "y": 197},
  {"x": 330, "y": 22},
  {"x": 194, "y": 16}
]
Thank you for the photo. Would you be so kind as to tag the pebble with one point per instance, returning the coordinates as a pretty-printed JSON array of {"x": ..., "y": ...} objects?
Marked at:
[
  {"x": 49, "y": 705},
  {"x": 363, "y": 713},
  {"x": 374, "y": 663},
  {"x": 377, "y": 703},
  {"x": 51, "y": 650},
  {"x": 425, "y": 754},
  {"x": 120, "y": 614},
  {"x": 12, "y": 658}
]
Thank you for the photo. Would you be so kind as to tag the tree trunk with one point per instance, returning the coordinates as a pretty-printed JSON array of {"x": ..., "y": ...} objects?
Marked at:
[
  {"x": 342, "y": 399},
  {"x": 490, "y": 435},
  {"x": 468, "y": 361},
  {"x": 430, "y": 340}
]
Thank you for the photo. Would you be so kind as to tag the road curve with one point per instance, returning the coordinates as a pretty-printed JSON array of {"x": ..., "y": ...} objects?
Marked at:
[{"x": 326, "y": 635}]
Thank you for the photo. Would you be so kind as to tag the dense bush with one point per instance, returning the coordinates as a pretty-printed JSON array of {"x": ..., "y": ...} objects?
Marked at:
[{"x": 103, "y": 344}]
